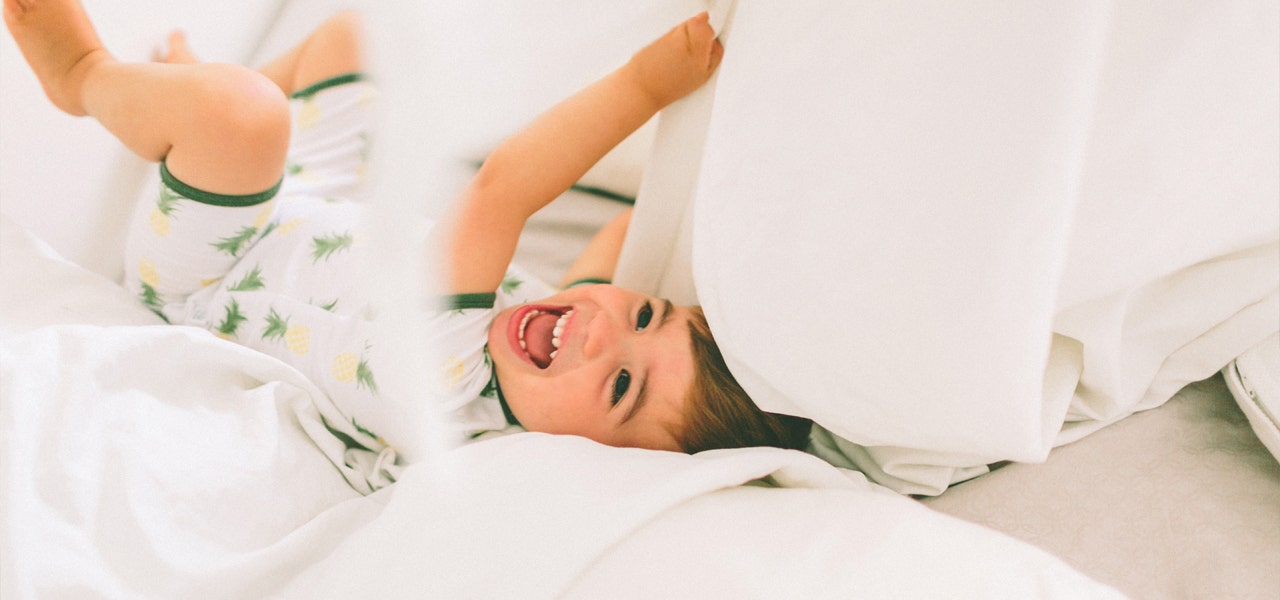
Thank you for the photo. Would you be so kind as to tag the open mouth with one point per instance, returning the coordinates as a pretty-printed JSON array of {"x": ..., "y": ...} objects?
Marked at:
[{"x": 539, "y": 333}]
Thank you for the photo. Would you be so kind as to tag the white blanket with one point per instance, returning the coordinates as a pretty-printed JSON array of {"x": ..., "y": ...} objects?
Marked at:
[
  {"x": 147, "y": 460},
  {"x": 959, "y": 235},
  {"x": 162, "y": 461},
  {"x": 153, "y": 460},
  {"x": 538, "y": 516}
]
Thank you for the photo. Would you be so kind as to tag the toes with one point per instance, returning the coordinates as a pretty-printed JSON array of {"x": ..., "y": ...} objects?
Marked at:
[
  {"x": 178, "y": 51},
  {"x": 177, "y": 45}
]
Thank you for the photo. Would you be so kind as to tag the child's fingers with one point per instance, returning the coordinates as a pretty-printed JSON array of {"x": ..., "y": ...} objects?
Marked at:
[
  {"x": 14, "y": 8},
  {"x": 701, "y": 40},
  {"x": 717, "y": 53},
  {"x": 699, "y": 29}
]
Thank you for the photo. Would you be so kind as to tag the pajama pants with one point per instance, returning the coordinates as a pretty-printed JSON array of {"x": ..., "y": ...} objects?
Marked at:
[{"x": 277, "y": 271}]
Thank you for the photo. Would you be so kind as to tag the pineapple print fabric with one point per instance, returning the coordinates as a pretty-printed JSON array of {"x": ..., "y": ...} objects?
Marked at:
[{"x": 277, "y": 271}]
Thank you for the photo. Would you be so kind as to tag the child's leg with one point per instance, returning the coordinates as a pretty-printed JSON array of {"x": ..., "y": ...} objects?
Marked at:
[
  {"x": 333, "y": 108},
  {"x": 334, "y": 48},
  {"x": 220, "y": 128},
  {"x": 331, "y": 131}
]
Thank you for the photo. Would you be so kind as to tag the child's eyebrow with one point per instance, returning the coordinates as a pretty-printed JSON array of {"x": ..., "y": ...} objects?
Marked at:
[{"x": 667, "y": 309}]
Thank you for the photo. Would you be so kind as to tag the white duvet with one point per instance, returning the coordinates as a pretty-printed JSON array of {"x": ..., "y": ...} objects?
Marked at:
[
  {"x": 142, "y": 459},
  {"x": 148, "y": 460},
  {"x": 955, "y": 235}
]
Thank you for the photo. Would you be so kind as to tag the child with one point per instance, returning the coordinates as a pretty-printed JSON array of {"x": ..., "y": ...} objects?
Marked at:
[
  {"x": 598, "y": 361},
  {"x": 251, "y": 235}
]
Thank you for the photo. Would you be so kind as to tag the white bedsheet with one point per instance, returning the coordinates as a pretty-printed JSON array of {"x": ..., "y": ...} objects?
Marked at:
[
  {"x": 146, "y": 459},
  {"x": 142, "y": 459},
  {"x": 538, "y": 516},
  {"x": 161, "y": 461},
  {"x": 959, "y": 235}
]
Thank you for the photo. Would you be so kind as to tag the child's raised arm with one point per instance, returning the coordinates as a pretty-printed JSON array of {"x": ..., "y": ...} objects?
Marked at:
[{"x": 537, "y": 164}]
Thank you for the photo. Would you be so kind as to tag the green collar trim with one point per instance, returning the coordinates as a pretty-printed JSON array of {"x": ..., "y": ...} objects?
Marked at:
[{"x": 496, "y": 389}]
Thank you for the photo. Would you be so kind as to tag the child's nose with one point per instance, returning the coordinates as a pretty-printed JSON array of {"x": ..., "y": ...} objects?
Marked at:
[
  {"x": 605, "y": 337},
  {"x": 605, "y": 295}
]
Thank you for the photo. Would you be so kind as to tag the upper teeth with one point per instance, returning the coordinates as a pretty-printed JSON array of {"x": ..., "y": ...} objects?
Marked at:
[
  {"x": 559, "y": 329},
  {"x": 525, "y": 323},
  {"x": 555, "y": 333}
]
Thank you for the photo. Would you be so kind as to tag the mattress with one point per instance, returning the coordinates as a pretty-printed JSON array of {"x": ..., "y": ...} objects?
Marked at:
[{"x": 1175, "y": 502}]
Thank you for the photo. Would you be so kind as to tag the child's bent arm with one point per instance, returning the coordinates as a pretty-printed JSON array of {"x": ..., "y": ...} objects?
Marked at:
[
  {"x": 537, "y": 164},
  {"x": 599, "y": 259},
  {"x": 532, "y": 168}
]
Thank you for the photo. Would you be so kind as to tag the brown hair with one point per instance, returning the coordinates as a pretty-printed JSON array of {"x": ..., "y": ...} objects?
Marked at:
[{"x": 719, "y": 413}]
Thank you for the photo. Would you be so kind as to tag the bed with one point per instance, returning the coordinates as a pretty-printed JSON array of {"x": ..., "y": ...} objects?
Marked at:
[{"x": 220, "y": 479}]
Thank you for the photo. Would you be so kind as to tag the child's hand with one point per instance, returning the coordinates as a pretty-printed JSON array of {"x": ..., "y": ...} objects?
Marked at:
[{"x": 679, "y": 62}]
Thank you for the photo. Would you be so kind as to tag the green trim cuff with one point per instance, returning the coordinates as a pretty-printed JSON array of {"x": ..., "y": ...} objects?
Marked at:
[
  {"x": 467, "y": 301},
  {"x": 335, "y": 81},
  {"x": 211, "y": 198}
]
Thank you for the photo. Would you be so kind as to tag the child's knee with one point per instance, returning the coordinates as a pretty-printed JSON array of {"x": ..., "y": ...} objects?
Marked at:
[{"x": 246, "y": 111}]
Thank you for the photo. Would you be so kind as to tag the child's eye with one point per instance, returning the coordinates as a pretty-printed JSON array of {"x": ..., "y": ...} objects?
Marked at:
[
  {"x": 646, "y": 315},
  {"x": 620, "y": 386}
]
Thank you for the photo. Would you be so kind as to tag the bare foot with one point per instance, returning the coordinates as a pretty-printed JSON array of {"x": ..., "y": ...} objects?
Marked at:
[
  {"x": 59, "y": 43},
  {"x": 179, "y": 53}
]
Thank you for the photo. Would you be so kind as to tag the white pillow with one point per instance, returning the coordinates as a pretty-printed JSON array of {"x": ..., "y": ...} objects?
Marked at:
[
  {"x": 880, "y": 226},
  {"x": 877, "y": 218}
]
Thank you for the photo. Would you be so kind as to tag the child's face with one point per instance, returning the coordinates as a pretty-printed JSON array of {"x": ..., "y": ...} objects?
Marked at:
[{"x": 619, "y": 376}]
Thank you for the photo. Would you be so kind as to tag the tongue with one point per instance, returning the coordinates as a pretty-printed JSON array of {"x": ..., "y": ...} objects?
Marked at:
[{"x": 537, "y": 338}]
